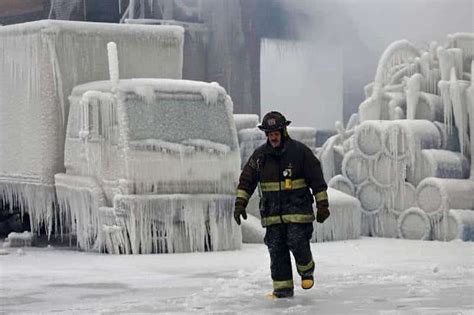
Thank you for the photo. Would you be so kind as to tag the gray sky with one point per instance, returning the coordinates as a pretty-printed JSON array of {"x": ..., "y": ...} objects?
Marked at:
[{"x": 322, "y": 81}]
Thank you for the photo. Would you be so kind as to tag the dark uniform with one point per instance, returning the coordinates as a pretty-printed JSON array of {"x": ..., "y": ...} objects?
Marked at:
[{"x": 285, "y": 175}]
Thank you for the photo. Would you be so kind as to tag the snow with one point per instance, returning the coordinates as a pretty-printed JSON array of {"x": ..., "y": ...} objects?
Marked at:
[{"x": 366, "y": 276}]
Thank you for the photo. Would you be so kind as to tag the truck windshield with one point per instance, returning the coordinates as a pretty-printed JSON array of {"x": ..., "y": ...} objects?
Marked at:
[{"x": 183, "y": 121}]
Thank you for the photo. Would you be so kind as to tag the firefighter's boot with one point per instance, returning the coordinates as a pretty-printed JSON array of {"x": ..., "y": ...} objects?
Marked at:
[
  {"x": 307, "y": 282},
  {"x": 280, "y": 294}
]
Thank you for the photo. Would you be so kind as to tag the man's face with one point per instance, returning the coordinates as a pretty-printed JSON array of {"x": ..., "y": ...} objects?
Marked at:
[{"x": 275, "y": 138}]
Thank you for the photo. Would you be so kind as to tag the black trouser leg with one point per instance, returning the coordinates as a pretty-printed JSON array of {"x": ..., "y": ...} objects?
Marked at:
[
  {"x": 276, "y": 241},
  {"x": 298, "y": 240}
]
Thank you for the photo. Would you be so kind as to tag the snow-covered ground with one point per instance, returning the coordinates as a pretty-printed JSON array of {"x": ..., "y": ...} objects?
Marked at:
[{"x": 365, "y": 276}]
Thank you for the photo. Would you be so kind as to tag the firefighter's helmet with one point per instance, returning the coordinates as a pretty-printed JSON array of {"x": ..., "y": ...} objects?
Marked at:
[{"x": 273, "y": 121}]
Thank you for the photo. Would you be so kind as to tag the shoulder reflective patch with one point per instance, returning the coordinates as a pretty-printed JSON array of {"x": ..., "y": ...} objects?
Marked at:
[{"x": 322, "y": 195}]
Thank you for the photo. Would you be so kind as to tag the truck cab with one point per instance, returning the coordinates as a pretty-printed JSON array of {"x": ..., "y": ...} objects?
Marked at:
[{"x": 153, "y": 163}]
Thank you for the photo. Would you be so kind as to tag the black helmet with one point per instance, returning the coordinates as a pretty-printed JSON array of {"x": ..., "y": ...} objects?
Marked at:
[{"x": 273, "y": 121}]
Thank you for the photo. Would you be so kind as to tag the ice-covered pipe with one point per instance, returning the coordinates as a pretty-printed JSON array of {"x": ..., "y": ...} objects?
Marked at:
[
  {"x": 371, "y": 197},
  {"x": 369, "y": 137},
  {"x": 396, "y": 53},
  {"x": 411, "y": 135},
  {"x": 449, "y": 137},
  {"x": 457, "y": 224},
  {"x": 429, "y": 107},
  {"x": 341, "y": 183},
  {"x": 443, "y": 164},
  {"x": 355, "y": 167},
  {"x": 402, "y": 198},
  {"x": 113, "y": 64},
  {"x": 388, "y": 171},
  {"x": 436, "y": 195},
  {"x": 414, "y": 224}
]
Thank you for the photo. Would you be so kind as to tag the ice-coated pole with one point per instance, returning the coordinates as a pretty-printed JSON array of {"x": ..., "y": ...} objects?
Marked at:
[{"x": 113, "y": 64}]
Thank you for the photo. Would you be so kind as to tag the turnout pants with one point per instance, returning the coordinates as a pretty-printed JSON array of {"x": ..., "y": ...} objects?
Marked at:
[{"x": 281, "y": 239}]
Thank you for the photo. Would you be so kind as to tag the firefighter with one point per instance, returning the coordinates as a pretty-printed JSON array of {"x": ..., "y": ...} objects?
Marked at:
[{"x": 288, "y": 175}]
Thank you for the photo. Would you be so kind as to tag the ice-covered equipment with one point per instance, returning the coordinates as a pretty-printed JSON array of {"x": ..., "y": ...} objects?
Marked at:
[
  {"x": 163, "y": 154},
  {"x": 252, "y": 230},
  {"x": 414, "y": 224},
  {"x": 456, "y": 224},
  {"x": 40, "y": 63},
  {"x": 341, "y": 183},
  {"x": 437, "y": 195},
  {"x": 343, "y": 223}
]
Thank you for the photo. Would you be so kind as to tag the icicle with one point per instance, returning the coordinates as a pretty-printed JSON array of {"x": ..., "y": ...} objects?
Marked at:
[
  {"x": 179, "y": 223},
  {"x": 413, "y": 94},
  {"x": 470, "y": 109},
  {"x": 79, "y": 200},
  {"x": 457, "y": 94}
]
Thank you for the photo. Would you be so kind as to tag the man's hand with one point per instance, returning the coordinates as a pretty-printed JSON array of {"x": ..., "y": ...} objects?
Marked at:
[
  {"x": 322, "y": 214},
  {"x": 239, "y": 211}
]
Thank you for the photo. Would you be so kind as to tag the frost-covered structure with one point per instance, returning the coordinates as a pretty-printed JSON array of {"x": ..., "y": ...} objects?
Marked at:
[
  {"x": 40, "y": 63},
  {"x": 409, "y": 156},
  {"x": 151, "y": 166}
]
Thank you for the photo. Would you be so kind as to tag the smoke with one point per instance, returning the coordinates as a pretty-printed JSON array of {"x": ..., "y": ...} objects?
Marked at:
[{"x": 321, "y": 80}]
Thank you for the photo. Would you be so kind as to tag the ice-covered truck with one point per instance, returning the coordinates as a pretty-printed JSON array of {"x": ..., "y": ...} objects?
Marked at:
[
  {"x": 159, "y": 158},
  {"x": 141, "y": 165}
]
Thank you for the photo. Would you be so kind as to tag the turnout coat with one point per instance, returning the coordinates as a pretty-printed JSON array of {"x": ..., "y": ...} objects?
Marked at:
[{"x": 289, "y": 179}]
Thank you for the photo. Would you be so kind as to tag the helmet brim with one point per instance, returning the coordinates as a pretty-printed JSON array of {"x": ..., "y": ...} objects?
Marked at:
[{"x": 273, "y": 128}]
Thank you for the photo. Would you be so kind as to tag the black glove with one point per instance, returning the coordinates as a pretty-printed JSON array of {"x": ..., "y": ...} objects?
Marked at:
[
  {"x": 322, "y": 214},
  {"x": 239, "y": 211}
]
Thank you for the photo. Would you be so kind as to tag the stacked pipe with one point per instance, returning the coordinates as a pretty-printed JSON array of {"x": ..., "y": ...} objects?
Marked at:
[
  {"x": 385, "y": 166},
  {"x": 436, "y": 197}
]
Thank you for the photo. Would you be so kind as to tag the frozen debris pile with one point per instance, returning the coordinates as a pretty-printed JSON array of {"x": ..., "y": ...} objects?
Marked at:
[
  {"x": 15, "y": 239},
  {"x": 40, "y": 63},
  {"x": 344, "y": 222},
  {"x": 252, "y": 230},
  {"x": 409, "y": 158}
]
